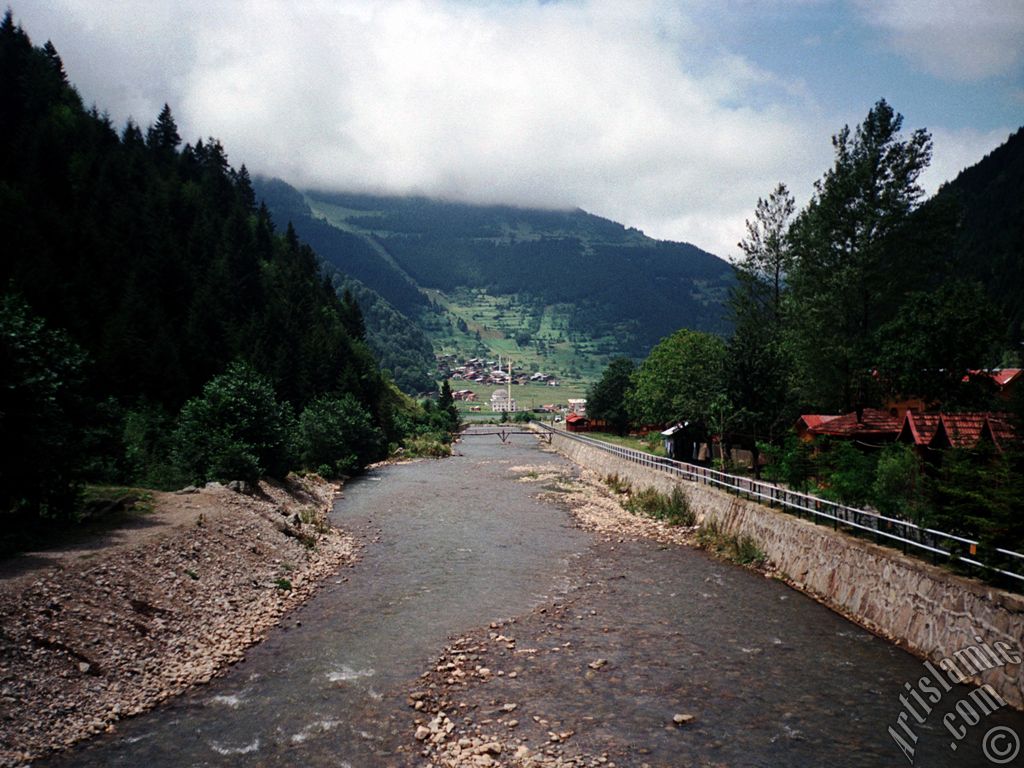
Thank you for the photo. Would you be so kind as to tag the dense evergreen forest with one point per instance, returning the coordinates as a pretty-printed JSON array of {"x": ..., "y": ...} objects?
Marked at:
[
  {"x": 156, "y": 326},
  {"x": 348, "y": 252},
  {"x": 986, "y": 244}
]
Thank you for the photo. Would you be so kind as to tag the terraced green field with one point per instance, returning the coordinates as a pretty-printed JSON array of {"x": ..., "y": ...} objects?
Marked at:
[{"x": 535, "y": 336}]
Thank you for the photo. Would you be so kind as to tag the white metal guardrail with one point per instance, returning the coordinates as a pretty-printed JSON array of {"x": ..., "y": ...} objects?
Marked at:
[{"x": 889, "y": 529}]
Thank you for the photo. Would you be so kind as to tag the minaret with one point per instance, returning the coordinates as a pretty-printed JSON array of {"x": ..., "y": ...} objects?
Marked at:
[{"x": 510, "y": 382}]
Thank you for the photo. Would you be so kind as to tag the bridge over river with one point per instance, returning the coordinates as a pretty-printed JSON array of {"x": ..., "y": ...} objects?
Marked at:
[{"x": 770, "y": 677}]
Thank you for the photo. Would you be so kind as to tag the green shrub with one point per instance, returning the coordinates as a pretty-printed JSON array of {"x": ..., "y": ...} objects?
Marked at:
[
  {"x": 742, "y": 549},
  {"x": 235, "y": 430},
  {"x": 427, "y": 447},
  {"x": 748, "y": 551},
  {"x": 337, "y": 436},
  {"x": 678, "y": 510},
  {"x": 674, "y": 509},
  {"x": 617, "y": 484}
]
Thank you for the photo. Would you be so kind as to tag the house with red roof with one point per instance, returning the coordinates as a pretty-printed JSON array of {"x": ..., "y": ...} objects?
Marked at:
[
  {"x": 1007, "y": 381},
  {"x": 1003, "y": 383},
  {"x": 938, "y": 431},
  {"x": 576, "y": 422},
  {"x": 809, "y": 421},
  {"x": 866, "y": 425}
]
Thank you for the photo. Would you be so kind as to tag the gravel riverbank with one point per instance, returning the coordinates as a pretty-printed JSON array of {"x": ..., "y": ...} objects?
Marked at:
[
  {"x": 92, "y": 635},
  {"x": 658, "y": 655},
  {"x": 492, "y": 700}
]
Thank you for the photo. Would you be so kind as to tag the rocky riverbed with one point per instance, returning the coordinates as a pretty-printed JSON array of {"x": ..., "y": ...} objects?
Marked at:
[
  {"x": 487, "y": 700},
  {"x": 94, "y": 634},
  {"x": 657, "y": 656}
]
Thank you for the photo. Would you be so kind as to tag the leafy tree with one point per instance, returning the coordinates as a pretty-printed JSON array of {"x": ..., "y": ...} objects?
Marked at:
[
  {"x": 898, "y": 489},
  {"x": 722, "y": 416},
  {"x": 606, "y": 398},
  {"x": 679, "y": 380},
  {"x": 235, "y": 430},
  {"x": 846, "y": 473},
  {"x": 337, "y": 436},
  {"x": 791, "y": 463},
  {"x": 42, "y": 411},
  {"x": 841, "y": 288}
]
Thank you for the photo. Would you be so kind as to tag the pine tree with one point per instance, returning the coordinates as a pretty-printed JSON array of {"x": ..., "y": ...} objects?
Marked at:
[
  {"x": 55, "y": 61},
  {"x": 163, "y": 135},
  {"x": 840, "y": 283},
  {"x": 352, "y": 316},
  {"x": 758, "y": 360}
]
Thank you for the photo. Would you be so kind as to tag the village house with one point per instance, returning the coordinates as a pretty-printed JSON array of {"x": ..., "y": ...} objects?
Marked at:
[
  {"x": 576, "y": 422},
  {"x": 870, "y": 426},
  {"x": 1002, "y": 382},
  {"x": 809, "y": 421},
  {"x": 929, "y": 432}
]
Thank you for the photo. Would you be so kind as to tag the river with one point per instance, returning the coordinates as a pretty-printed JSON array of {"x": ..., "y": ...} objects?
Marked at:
[{"x": 775, "y": 678}]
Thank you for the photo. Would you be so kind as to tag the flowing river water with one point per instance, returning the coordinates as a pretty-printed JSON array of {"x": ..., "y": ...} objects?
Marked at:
[{"x": 775, "y": 678}]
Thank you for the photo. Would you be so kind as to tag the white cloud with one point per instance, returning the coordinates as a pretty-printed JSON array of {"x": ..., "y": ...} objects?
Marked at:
[
  {"x": 959, "y": 40},
  {"x": 623, "y": 109}
]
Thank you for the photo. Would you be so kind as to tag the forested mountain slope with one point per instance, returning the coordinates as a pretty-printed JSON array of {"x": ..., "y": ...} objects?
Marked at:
[
  {"x": 987, "y": 203},
  {"x": 617, "y": 279},
  {"x": 398, "y": 343},
  {"x": 606, "y": 280}
]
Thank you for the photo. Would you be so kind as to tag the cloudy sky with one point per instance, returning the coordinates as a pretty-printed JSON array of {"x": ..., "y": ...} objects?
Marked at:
[{"x": 673, "y": 117}]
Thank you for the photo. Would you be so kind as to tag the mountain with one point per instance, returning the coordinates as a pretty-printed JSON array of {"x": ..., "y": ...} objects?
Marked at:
[
  {"x": 355, "y": 255},
  {"x": 565, "y": 289},
  {"x": 986, "y": 201},
  {"x": 353, "y": 263}
]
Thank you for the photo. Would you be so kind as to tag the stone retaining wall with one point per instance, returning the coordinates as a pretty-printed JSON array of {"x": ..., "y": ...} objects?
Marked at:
[{"x": 928, "y": 610}]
